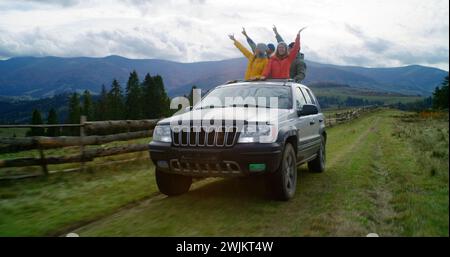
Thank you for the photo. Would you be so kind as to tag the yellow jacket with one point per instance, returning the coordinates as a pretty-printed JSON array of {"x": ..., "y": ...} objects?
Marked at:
[{"x": 255, "y": 66}]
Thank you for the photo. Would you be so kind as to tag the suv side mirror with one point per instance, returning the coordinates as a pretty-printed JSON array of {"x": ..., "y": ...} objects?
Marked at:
[{"x": 308, "y": 109}]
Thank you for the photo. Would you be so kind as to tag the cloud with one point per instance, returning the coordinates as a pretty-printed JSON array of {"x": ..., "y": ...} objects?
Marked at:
[
  {"x": 377, "y": 45},
  {"x": 351, "y": 32},
  {"x": 65, "y": 3}
]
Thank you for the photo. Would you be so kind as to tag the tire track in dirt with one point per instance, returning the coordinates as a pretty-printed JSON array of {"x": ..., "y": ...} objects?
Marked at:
[
  {"x": 381, "y": 193},
  {"x": 378, "y": 193},
  {"x": 70, "y": 228},
  {"x": 155, "y": 196},
  {"x": 328, "y": 221},
  {"x": 355, "y": 143}
]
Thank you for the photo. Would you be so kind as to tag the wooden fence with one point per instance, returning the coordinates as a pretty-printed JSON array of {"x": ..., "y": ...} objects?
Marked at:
[
  {"x": 142, "y": 129},
  {"x": 347, "y": 115}
]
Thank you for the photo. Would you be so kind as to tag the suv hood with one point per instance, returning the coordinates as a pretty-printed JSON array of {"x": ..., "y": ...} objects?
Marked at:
[{"x": 249, "y": 114}]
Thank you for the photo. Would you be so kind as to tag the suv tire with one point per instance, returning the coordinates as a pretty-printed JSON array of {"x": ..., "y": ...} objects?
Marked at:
[
  {"x": 172, "y": 184},
  {"x": 284, "y": 181},
  {"x": 318, "y": 164}
]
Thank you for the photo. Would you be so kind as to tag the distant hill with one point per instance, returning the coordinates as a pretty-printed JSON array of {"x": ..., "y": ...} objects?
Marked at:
[
  {"x": 47, "y": 76},
  {"x": 19, "y": 111}
]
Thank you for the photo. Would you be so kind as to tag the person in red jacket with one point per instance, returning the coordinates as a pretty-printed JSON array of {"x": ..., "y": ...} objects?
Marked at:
[{"x": 280, "y": 63}]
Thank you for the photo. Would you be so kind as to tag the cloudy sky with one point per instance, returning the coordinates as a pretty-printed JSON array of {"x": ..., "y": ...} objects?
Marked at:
[{"x": 372, "y": 33}]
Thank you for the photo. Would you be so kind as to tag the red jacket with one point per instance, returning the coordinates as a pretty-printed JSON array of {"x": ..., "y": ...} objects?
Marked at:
[{"x": 280, "y": 68}]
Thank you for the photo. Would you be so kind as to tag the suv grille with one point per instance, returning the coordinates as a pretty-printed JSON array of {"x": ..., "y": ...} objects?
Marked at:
[{"x": 223, "y": 137}]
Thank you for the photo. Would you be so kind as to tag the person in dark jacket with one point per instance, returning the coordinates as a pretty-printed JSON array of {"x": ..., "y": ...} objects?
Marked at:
[{"x": 298, "y": 66}]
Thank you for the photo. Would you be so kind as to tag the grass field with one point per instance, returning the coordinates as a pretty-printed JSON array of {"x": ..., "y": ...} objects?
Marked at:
[
  {"x": 387, "y": 173},
  {"x": 342, "y": 93},
  {"x": 10, "y": 132}
]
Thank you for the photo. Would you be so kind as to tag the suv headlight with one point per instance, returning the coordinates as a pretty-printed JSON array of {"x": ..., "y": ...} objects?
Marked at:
[
  {"x": 161, "y": 133},
  {"x": 258, "y": 134}
]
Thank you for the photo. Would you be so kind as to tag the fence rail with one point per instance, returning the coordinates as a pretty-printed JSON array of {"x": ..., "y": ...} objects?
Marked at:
[
  {"x": 144, "y": 127},
  {"x": 93, "y": 125},
  {"x": 347, "y": 115},
  {"x": 87, "y": 155},
  {"x": 64, "y": 141}
]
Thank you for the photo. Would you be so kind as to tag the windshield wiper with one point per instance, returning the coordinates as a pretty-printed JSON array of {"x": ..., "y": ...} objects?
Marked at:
[
  {"x": 209, "y": 107},
  {"x": 249, "y": 105}
]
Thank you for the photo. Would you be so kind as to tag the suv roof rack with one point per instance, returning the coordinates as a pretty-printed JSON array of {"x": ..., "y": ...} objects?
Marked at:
[
  {"x": 268, "y": 80},
  {"x": 233, "y": 81},
  {"x": 280, "y": 80}
]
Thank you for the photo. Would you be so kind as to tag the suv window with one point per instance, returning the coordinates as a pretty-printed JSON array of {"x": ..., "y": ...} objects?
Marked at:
[
  {"x": 308, "y": 98},
  {"x": 299, "y": 97},
  {"x": 313, "y": 101}
]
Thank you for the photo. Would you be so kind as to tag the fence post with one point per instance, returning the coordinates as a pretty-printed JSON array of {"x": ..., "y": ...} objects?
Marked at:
[
  {"x": 82, "y": 135},
  {"x": 42, "y": 156},
  {"x": 43, "y": 161}
]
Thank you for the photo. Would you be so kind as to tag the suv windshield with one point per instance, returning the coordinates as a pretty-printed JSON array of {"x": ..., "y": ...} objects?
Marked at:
[{"x": 255, "y": 95}]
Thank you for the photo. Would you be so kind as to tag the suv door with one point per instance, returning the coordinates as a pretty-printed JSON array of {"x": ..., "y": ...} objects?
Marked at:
[
  {"x": 316, "y": 119},
  {"x": 305, "y": 133}
]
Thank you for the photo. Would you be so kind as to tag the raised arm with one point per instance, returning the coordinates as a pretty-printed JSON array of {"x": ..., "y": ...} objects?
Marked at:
[
  {"x": 250, "y": 42},
  {"x": 241, "y": 48},
  {"x": 277, "y": 36},
  {"x": 294, "y": 51}
]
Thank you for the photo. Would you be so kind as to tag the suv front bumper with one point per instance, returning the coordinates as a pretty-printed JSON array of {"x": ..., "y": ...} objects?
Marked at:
[{"x": 215, "y": 161}]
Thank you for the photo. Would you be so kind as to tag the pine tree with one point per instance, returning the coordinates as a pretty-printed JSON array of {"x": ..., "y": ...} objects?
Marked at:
[
  {"x": 36, "y": 119},
  {"x": 163, "y": 101},
  {"x": 133, "y": 101},
  {"x": 52, "y": 118},
  {"x": 115, "y": 102},
  {"x": 88, "y": 108},
  {"x": 74, "y": 113},
  {"x": 101, "y": 106},
  {"x": 440, "y": 96},
  {"x": 148, "y": 97}
]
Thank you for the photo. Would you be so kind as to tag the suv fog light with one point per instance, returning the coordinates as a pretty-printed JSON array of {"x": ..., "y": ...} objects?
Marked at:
[
  {"x": 257, "y": 166},
  {"x": 163, "y": 164}
]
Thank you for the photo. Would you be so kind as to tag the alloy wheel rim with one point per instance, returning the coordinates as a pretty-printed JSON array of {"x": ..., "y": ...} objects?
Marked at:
[
  {"x": 322, "y": 155},
  {"x": 289, "y": 173}
]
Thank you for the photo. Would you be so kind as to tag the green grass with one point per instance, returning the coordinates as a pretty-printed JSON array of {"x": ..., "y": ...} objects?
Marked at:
[
  {"x": 420, "y": 152},
  {"x": 387, "y": 173},
  {"x": 10, "y": 132},
  {"x": 45, "y": 206}
]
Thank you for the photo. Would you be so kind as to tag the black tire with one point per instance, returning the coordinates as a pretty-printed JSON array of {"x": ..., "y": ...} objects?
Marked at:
[
  {"x": 172, "y": 184},
  {"x": 318, "y": 164},
  {"x": 283, "y": 182}
]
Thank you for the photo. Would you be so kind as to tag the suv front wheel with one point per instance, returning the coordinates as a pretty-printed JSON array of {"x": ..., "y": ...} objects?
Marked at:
[
  {"x": 284, "y": 181},
  {"x": 172, "y": 184}
]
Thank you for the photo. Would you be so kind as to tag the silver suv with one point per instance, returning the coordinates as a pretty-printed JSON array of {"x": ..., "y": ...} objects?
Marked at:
[{"x": 216, "y": 138}]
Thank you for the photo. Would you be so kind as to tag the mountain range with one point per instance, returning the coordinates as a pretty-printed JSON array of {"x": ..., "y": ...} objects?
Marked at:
[{"x": 38, "y": 77}]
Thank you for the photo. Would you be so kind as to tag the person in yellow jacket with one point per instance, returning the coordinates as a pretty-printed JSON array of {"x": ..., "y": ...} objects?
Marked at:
[{"x": 256, "y": 62}]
